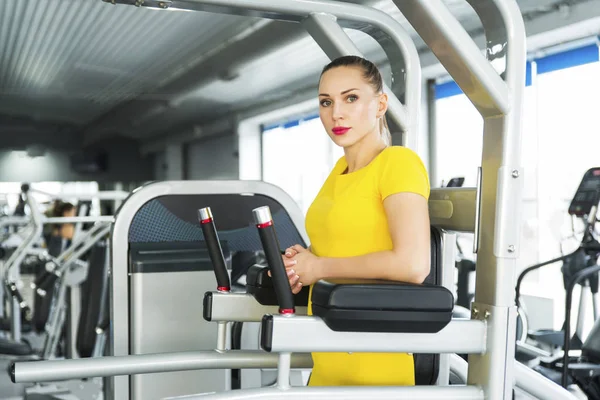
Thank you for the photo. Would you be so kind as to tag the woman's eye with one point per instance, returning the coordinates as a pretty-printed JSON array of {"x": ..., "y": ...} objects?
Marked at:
[
  {"x": 325, "y": 103},
  {"x": 352, "y": 98}
]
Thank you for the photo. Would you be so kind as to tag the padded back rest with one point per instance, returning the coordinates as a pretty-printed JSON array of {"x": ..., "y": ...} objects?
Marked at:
[
  {"x": 93, "y": 291},
  {"x": 172, "y": 221},
  {"x": 427, "y": 365}
]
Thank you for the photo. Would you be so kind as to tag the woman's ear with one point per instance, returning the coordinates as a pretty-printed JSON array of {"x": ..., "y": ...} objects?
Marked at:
[{"x": 383, "y": 105}]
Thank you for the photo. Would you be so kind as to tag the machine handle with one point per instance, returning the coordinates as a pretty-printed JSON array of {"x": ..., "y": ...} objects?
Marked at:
[
  {"x": 214, "y": 248},
  {"x": 16, "y": 294},
  {"x": 268, "y": 237}
]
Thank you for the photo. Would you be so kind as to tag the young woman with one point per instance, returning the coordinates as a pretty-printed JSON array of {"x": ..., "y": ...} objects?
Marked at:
[{"x": 370, "y": 219}]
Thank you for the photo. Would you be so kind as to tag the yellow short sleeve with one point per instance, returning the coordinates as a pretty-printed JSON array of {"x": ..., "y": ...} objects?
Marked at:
[{"x": 402, "y": 170}]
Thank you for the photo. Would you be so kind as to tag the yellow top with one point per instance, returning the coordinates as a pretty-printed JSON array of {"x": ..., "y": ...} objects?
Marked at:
[{"x": 347, "y": 219}]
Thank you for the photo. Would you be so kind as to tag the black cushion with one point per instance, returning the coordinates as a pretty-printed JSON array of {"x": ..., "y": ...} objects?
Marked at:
[
  {"x": 382, "y": 306},
  {"x": 260, "y": 285},
  {"x": 12, "y": 348},
  {"x": 364, "y": 294}
]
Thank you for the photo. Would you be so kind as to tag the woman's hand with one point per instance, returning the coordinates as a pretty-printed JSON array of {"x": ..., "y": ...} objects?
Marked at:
[
  {"x": 301, "y": 266},
  {"x": 289, "y": 264}
]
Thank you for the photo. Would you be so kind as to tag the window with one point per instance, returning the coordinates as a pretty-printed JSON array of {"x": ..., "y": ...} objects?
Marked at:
[
  {"x": 298, "y": 157},
  {"x": 560, "y": 142}
]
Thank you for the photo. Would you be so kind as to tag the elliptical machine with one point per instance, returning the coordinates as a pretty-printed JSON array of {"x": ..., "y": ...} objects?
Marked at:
[{"x": 580, "y": 267}]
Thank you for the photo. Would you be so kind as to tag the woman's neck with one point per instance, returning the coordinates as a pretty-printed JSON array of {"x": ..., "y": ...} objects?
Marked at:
[{"x": 360, "y": 154}]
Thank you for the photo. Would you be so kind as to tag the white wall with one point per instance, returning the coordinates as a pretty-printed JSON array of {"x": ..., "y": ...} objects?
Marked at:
[
  {"x": 54, "y": 165},
  {"x": 213, "y": 159},
  {"x": 174, "y": 164}
]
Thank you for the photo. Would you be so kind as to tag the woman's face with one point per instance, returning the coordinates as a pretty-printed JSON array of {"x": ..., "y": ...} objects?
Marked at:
[{"x": 349, "y": 106}]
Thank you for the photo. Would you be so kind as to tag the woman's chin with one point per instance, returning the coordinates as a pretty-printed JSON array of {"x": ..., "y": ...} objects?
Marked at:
[{"x": 342, "y": 140}]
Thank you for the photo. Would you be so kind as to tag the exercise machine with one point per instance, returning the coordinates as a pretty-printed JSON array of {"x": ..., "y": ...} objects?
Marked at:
[
  {"x": 194, "y": 270},
  {"x": 491, "y": 211},
  {"x": 580, "y": 267},
  {"x": 584, "y": 205}
]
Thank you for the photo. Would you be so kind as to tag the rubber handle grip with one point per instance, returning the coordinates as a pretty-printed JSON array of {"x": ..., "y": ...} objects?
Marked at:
[
  {"x": 214, "y": 248},
  {"x": 270, "y": 243},
  {"x": 16, "y": 294}
]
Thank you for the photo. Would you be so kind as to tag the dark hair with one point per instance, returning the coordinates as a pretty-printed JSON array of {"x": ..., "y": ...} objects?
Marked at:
[{"x": 372, "y": 75}]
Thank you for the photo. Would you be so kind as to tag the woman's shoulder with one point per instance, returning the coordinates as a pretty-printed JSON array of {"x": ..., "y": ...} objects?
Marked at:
[{"x": 400, "y": 155}]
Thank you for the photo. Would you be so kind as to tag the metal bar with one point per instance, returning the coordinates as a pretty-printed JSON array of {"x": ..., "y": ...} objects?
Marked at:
[
  {"x": 453, "y": 209},
  {"x": 18, "y": 255},
  {"x": 388, "y": 32},
  {"x": 459, "y": 54},
  {"x": 241, "y": 307},
  {"x": 477, "y": 211},
  {"x": 336, "y": 43},
  {"x": 448, "y": 266},
  {"x": 531, "y": 350},
  {"x": 582, "y": 311},
  {"x": 13, "y": 264},
  {"x": 103, "y": 195},
  {"x": 349, "y": 393},
  {"x": 6, "y": 221},
  {"x": 538, "y": 385},
  {"x": 222, "y": 336},
  {"x": 310, "y": 334},
  {"x": 98, "y": 234},
  {"x": 74, "y": 220},
  {"x": 459, "y": 366},
  {"x": 283, "y": 370},
  {"x": 119, "y": 288},
  {"x": 501, "y": 216},
  {"x": 56, "y": 370},
  {"x": 57, "y": 316},
  {"x": 528, "y": 380},
  {"x": 62, "y": 257}
]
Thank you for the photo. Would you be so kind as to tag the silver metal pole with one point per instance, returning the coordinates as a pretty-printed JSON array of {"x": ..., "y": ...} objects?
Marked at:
[
  {"x": 56, "y": 370},
  {"x": 538, "y": 385},
  {"x": 495, "y": 86},
  {"x": 13, "y": 265},
  {"x": 595, "y": 305},
  {"x": 75, "y": 220},
  {"x": 350, "y": 393},
  {"x": 221, "y": 336},
  {"x": 582, "y": 310}
]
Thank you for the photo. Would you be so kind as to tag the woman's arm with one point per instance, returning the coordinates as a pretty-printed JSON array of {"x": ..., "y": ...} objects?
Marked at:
[{"x": 408, "y": 261}]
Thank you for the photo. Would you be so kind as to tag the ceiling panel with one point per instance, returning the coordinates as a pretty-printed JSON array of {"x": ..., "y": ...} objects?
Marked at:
[
  {"x": 289, "y": 63},
  {"x": 87, "y": 53},
  {"x": 80, "y": 61}
]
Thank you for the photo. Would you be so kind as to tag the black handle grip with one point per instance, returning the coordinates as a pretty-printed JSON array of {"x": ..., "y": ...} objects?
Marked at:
[
  {"x": 268, "y": 237},
  {"x": 14, "y": 292},
  {"x": 214, "y": 248}
]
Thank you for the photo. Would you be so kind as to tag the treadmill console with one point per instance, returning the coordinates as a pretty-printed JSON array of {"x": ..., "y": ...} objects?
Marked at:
[{"x": 587, "y": 195}]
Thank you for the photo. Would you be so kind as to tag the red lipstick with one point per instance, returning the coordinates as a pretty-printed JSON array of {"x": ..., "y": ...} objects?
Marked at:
[{"x": 340, "y": 130}]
